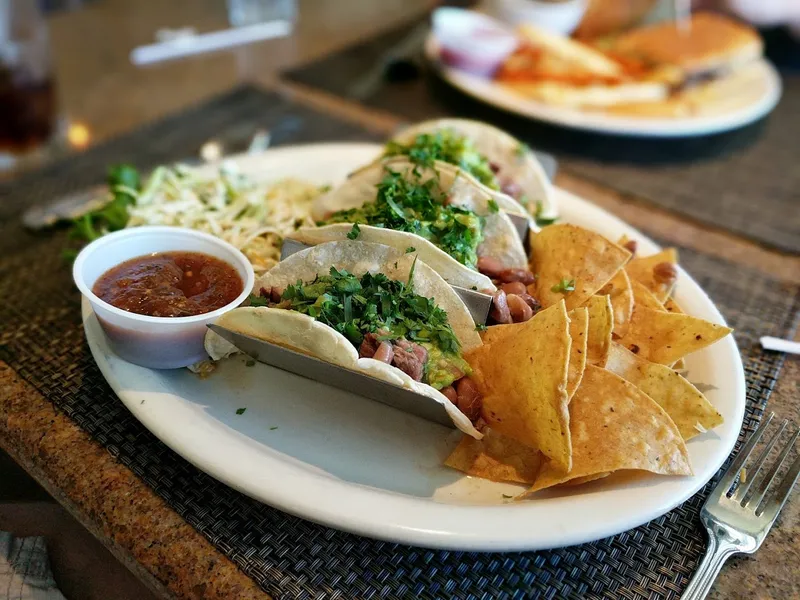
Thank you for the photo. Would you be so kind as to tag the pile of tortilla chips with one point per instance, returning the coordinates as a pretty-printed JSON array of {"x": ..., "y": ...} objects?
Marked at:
[{"x": 589, "y": 385}]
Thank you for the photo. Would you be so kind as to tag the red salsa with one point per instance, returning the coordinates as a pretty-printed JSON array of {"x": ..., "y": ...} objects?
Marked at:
[{"x": 170, "y": 284}]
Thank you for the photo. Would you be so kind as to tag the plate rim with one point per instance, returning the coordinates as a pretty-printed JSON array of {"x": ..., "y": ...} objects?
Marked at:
[
  {"x": 362, "y": 499},
  {"x": 600, "y": 122}
]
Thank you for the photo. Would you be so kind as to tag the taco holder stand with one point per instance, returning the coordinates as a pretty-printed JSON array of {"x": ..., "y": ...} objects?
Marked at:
[{"x": 337, "y": 376}]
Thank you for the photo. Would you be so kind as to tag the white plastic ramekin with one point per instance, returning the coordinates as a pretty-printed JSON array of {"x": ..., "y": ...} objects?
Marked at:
[
  {"x": 471, "y": 41},
  {"x": 154, "y": 342}
]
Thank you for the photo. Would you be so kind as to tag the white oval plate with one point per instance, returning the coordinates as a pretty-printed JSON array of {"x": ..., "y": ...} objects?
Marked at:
[
  {"x": 338, "y": 459},
  {"x": 750, "y": 100}
]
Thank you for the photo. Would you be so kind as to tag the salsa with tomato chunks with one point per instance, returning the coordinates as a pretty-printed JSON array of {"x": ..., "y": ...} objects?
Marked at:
[{"x": 170, "y": 284}]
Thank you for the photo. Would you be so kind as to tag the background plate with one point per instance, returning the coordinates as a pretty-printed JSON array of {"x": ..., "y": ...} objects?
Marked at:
[
  {"x": 752, "y": 102},
  {"x": 301, "y": 446}
]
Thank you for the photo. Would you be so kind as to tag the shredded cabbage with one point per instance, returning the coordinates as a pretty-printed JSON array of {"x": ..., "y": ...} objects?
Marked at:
[{"x": 252, "y": 216}]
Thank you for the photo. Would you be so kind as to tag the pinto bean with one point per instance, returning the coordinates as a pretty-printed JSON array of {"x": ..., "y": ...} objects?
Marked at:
[
  {"x": 520, "y": 311},
  {"x": 384, "y": 353},
  {"x": 450, "y": 393},
  {"x": 469, "y": 399},
  {"x": 511, "y": 275},
  {"x": 631, "y": 246},
  {"x": 515, "y": 287},
  {"x": 531, "y": 301},
  {"x": 494, "y": 167},
  {"x": 499, "y": 311},
  {"x": 491, "y": 267},
  {"x": 665, "y": 273}
]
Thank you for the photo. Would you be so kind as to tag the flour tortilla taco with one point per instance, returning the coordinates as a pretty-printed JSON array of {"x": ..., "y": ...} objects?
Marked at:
[
  {"x": 369, "y": 308},
  {"x": 492, "y": 156},
  {"x": 454, "y": 225}
]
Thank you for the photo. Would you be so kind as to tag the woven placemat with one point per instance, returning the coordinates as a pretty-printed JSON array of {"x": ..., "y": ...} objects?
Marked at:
[
  {"x": 744, "y": 181},
  {"x": 41, "y": 337}
]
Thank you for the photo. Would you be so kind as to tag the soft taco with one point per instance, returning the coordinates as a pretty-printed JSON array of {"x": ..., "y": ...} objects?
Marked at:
[
  {"x": 492, "y": 156},
  {"x": 372, "y": 309},
  {"x": 454, "y": 225}
]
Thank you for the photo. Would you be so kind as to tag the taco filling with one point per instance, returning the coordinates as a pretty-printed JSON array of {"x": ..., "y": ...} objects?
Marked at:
[
  {"x": 384, "y": 320},
  {"x": 453, "y": 148},
  {"x": 447, "y": 146},
  {"x": 422, "y": 208}
]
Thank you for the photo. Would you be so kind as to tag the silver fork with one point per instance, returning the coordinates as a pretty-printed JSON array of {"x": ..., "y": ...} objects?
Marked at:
[{"x": 739, "y": 523}]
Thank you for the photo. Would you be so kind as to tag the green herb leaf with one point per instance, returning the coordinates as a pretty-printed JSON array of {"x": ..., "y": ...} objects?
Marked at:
[
  {"x": 354, "y": 232},
  {"x": 240, "y": 411},
  {"x": 480, "y": 327},
  {"x": 410, "y": 249},
  {"x": 250, "y": 363},
  {"x": 564, "y": 286},
  {"x": 256, "y": 300},
  {"x": 542, "y": 221},
  {"x": 507, "y": 496},
  {"x": 523, "y": 149},
  {"x": 273, "y": 428},
  {"x": 493, "y": 206}
]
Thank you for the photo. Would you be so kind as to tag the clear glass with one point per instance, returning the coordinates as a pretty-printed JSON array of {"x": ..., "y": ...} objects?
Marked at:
[
  {"x": 252, "y": 12},
  {"x": 27, "y": 89}
]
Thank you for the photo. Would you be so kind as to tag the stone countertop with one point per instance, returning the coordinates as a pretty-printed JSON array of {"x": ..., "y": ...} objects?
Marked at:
[{"x": 100, "y": 88}]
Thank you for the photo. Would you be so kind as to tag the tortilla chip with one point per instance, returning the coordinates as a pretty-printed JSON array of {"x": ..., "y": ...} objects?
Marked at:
[
  {"x": 496, "y": 457},
  {"x": 641, "y": 270},
  {"x": 672, "y": 306},
  {"x": 621, "y": 295},
  {"x": 582, "y": 480},
  {"x": 664, "y": 337},
  {"x": 579, "y": 333},
  {"x": 615, "y": 426},
  {"x": 601, "y": 323},
  {"x": 644, "y": 297},
  {"x": 680, "y": 399},
  {"x": 523, "y": 381},
  {"x": 571, "y": 255}
]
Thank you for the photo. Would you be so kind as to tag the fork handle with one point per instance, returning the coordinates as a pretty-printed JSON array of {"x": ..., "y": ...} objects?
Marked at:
[{"x": 718, "y": 551}]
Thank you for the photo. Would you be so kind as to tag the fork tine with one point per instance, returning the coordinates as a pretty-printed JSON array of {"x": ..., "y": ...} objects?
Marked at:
[
  {"x": 736, "y": 466},
  {"x": 755, "y": 469},
  {"x": 778, "y": 498},
  {"x": 762, "y": 488}
]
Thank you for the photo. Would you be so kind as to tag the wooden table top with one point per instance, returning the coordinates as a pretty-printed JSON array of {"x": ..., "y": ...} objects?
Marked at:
[{"x": 100, "y": 88}]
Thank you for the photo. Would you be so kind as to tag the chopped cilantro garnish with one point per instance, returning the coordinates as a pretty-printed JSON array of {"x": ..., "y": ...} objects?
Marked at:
[
  {"x": 523, "y": 149},
  {"x": 240, "y": 411},
  {"x": 273, "y": 428},
  {"x": 354, "y": 232},
  {"x": 564, "y": 286},
  {"x": 493, "y": 206},
  {"x": 450, "y": 147},
  {"x": 507, "y": 496},
  {"x": 356, "y": 306},
  {"x": 480, "y": 327},
  {"x": 324, "y": 188},
  {"x": 541, "y": 221},
  {"x": 256, "y": 300},
  {"x": 410, "y": 249},
  {"x": 419, "y": 207},
  {"x": 250, "y": 363}
]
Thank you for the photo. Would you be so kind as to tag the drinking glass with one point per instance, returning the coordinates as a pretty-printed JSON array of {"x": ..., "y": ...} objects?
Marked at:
[{"x": 27, "y": 89}]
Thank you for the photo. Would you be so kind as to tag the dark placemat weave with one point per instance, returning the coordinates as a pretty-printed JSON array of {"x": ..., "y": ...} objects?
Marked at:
[
  {"x": 743, "y": 181},
  {"x": 42, "y": 338}
]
